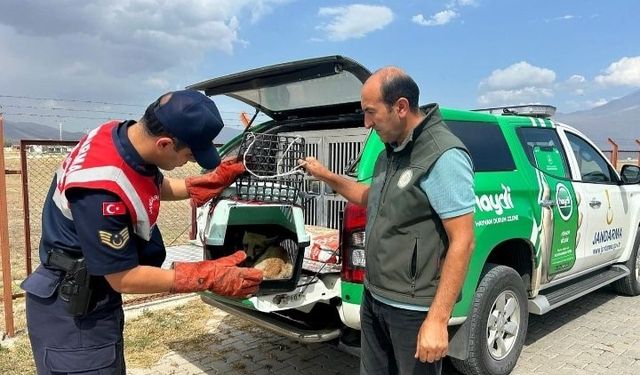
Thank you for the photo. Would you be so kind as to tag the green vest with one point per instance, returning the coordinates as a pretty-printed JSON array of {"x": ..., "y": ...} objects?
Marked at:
[{"x": 405, "y": 240}]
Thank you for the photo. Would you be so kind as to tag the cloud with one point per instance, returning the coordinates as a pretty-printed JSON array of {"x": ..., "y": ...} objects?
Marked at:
[
  {"x": 566, "y": 17},
  {"x": 445, "y": 16},
  {"x": 354, "y": 21},
  {"x": 518, "y": 83},
  {"x": 597, "y": 102},
  {"x": 576, "y": 85},
  {"x": 624, "y": 72},
  {"x": 518, "y": 75},
  {"x": 576, "y": 79},
  {"x": 438, "y": 19},
  {"x": 116, "y": 48},
  {"x": 186, "y": 23}
]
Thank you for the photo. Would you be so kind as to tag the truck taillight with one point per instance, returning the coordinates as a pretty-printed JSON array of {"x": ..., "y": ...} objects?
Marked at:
[{"x": 353, "y": 243}]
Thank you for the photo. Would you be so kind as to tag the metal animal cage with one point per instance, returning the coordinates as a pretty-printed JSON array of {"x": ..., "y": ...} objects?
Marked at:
[{"x": 273, "y": 173}]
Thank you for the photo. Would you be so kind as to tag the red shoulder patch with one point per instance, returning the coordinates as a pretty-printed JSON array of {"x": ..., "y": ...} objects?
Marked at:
[{"x": 113, "y": 208}]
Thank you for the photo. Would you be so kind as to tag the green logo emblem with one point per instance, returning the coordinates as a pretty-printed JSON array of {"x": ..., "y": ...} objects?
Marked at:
[{"x": 564, "y": 201}]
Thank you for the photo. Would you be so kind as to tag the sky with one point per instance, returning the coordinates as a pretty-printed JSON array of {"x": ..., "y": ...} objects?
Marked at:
[{"x": 74, "y": 63}]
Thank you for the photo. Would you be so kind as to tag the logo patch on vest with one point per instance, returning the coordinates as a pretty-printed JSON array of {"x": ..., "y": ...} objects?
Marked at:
[
  {"x": 404, "y": 179},
  {"x": 114, "y": 240},
  {"x": 153, "y": 204},
  {"x": 113, "y": 208}
]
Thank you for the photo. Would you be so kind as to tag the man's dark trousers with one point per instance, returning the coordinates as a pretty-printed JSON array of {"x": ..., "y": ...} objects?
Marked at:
[
  {"x": 63, "y": 344},
  {"x": 389, "y": 337}
]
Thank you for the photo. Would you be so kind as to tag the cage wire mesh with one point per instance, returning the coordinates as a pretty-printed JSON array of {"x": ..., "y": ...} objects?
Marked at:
[
  {"x": 291, "y": 247},
  {"x": 273, "y": 174}
]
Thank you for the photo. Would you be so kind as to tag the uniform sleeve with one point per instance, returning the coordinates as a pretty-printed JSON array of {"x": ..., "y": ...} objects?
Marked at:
[
  {"x": 154, "y": 252},
  {"x": 104, "y": 230},
  {"x": 449, "y": 185}
]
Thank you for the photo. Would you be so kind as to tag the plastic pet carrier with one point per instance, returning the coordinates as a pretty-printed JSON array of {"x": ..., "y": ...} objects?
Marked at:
[
  {"x": 273, "y": 173},
  {"x": 272, "y": 235}
]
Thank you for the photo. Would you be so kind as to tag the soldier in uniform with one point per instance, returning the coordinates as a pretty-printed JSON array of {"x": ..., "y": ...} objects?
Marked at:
[{"x": 100, "y": 238}]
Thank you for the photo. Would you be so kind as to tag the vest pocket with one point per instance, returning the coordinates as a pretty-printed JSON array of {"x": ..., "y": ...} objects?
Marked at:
[
  {"x": 426, "y": 264},
  {"x": 415, "y": 264}
]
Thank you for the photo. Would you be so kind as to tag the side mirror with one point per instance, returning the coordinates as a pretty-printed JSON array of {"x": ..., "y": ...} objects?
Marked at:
[{"x": 630, "y": 174}]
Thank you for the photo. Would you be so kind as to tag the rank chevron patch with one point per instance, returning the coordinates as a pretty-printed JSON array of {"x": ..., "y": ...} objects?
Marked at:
[{"x": 114, "y": 240}]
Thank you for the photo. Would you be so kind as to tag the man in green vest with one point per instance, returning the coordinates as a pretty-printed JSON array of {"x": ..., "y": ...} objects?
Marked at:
[{"x": 419, "y": 233}]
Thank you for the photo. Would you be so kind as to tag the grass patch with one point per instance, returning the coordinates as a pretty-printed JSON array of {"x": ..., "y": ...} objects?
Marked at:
[
  {"x": 15, "y": 353},
  {"x": 147, "y": 338},
  {"x": 15, "y": 356},
  {"x": 154, "y": 333}
]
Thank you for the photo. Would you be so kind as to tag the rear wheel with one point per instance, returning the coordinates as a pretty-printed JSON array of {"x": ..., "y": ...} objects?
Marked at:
[
  {"x": 498, "y": 323},
  {"x": 630, "y": 285}
]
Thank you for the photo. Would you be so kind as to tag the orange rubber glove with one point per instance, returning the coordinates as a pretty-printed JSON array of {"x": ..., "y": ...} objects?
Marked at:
[
  {"x": 221, "y": 276},
  {"x": 204, "y": 187}
]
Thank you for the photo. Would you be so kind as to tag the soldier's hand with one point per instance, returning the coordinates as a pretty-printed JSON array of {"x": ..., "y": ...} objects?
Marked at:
[
  {"x": 221, "y": 276},
  {"x": 204, "y": 187}
]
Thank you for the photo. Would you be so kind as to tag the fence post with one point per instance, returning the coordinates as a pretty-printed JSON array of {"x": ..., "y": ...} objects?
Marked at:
[
  {"x": 25, "y": 206},
  {"x": 4, "y": 242},
  {"x": 614, "y": 153}
]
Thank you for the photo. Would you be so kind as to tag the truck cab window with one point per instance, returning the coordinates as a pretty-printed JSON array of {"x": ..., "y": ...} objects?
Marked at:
[
  {"x": 593, "y": 166},
  {"x": 486, "y": 144}
]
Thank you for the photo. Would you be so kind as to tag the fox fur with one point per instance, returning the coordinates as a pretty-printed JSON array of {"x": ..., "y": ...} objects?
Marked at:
[{"x": 275, "y": 263}]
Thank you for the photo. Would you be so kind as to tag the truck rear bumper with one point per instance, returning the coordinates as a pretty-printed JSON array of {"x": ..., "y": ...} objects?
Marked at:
[{"x": 275, "y": 324}]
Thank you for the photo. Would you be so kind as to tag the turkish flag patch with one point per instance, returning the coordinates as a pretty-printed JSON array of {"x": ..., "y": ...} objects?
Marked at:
[{"x": 113, "y": 208}]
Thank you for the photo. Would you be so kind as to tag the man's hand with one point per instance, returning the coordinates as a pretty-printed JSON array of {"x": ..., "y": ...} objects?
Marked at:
[
  {"x": 433, "y": 341},
  {"x": 353, "y": 191},
  {"x": 221, "y": 276},
  {"x": 202, "y": 188},
  {"x": 315, "y": 168}
]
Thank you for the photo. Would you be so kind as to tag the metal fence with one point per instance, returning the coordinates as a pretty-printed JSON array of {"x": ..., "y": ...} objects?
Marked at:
[
  {"x": 39, "y": 161},
  {"x": 28, "y": 171}
]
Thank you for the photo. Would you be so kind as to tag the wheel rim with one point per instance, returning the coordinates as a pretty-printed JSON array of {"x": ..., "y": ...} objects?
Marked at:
[
  {"x": 637, "y": 266},
  {"x": 503, "y": 325}
]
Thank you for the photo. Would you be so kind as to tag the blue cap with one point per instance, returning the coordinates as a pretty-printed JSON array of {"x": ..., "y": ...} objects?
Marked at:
[{"x": 193, "y": 119}]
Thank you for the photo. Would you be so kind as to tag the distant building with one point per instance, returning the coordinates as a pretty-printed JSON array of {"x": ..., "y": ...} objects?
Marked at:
[{"x": 45, "y": 149}]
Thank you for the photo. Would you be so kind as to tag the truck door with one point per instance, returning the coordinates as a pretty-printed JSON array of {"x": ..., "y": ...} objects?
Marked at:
[
  {"x": 559, "y": 199},
  {"x": 556, "y": 199},
  {"x": 603, "y": 229}
]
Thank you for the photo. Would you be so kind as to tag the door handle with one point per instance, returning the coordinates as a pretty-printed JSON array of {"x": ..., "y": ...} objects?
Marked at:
[
  {"x": 548, "y": 203},
  {"x": 595, "y": 204}
]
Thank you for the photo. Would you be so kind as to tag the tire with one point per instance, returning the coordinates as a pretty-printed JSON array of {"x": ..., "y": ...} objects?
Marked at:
[
  {"x": 499, "y": 315},
  {"x": 630, "y": 285}
]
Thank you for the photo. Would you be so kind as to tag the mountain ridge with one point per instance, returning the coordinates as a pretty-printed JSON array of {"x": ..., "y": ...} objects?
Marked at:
[{"x": 618, "y": 119}]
